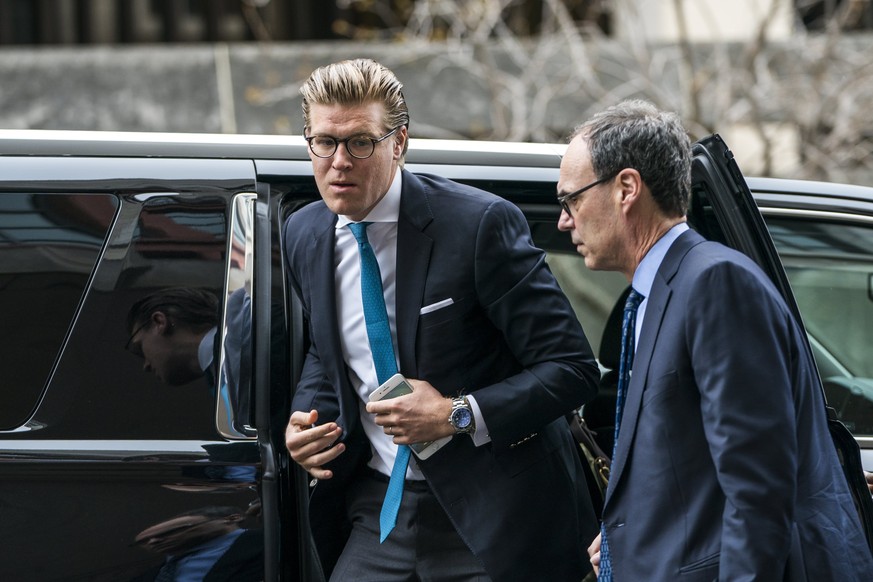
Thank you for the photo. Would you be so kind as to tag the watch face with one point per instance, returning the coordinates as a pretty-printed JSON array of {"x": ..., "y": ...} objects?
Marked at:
[{"x": 461, "y": 418}]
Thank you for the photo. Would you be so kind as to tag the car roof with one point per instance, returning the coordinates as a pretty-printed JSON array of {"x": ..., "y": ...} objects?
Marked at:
[
  {"x": 424, "y": 155},
  {"x": 266, "y": 147}
]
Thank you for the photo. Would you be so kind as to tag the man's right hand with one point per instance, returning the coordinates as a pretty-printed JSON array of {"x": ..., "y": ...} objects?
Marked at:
[
  {"x": 312, "y": 446},
  {"x": 594, "y": 554}
]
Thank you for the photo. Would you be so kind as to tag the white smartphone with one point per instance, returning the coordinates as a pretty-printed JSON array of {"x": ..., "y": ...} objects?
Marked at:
[{"x": 396, "y": 386}]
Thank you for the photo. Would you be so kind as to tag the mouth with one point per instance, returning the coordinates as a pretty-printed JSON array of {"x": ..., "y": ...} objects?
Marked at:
[{"x": 341, "y": 186}]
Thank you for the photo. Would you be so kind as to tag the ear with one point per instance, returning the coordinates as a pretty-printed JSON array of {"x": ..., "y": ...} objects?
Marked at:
[
  {"x": 631, "y": 188},
  {"x": 161, "y": 322},
  {"x": 399, "y": 141}
]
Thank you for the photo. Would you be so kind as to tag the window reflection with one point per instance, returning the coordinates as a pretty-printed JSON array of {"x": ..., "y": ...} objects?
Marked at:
[
  {"x": 830, "y": 266},
  {"x": 49, "y": 244},
  {"x": 234, "y": 414}
]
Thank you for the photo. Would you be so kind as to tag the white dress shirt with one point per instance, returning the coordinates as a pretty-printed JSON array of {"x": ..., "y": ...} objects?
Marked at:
[{"x": 382, "y": 235}]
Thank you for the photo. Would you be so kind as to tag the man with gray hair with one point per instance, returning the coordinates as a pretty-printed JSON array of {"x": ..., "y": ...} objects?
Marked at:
[
  {"x": 724, "y": 468},
  {"x": 441, "y": 282}
]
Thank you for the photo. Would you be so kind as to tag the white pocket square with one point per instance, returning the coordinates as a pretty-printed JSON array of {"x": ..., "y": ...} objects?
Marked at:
[{"x": 436, "y": 306}]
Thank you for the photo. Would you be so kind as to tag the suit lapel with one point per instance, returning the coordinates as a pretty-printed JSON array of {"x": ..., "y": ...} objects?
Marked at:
[
  {"x": 324, "y": 309},
  {"x": 413, "y": 258},
  {"x": 659, "y": 298}
]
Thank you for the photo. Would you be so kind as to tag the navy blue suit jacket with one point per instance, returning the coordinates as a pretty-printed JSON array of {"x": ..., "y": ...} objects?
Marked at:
[
  {"x": 510, "y": 337},
  {"x": 725, "y": 468}
]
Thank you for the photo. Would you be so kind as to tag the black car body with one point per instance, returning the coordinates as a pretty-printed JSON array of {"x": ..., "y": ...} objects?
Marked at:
[{"x": 94, "y": 450}]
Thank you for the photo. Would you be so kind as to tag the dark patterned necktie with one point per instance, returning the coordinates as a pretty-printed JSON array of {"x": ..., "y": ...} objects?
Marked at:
[
  {"x": 379, "y": 334},
  {"x": 628, "y": 341}
]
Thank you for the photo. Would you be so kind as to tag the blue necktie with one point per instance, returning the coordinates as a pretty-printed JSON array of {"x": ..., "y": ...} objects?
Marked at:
[
  {"x": 628, "y": 337},
  {"x": 379, "y": 334}
]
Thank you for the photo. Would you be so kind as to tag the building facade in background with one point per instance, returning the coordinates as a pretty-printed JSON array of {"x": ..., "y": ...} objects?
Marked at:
[{"x": 787, "y": 82}]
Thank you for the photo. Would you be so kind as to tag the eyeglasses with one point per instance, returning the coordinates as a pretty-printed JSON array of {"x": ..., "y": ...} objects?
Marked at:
[
  {"x": 133, "y": 335},
  {"x": 358, "y": 146},
  {"x": 565, "y": 200}
]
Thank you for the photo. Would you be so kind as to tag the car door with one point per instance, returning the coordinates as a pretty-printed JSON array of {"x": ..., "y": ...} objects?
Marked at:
[
  {"x": 824, "y": 235},
  {"x": 106, "y": 468}
]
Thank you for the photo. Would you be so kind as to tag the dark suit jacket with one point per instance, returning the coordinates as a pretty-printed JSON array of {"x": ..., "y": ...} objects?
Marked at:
[
  {"x": 510, "y": 338},
  {"x": 725, "y": 468}
]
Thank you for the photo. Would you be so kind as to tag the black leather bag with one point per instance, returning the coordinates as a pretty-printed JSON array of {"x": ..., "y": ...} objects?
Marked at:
[
  {"x": 595, "y": 462},
  {"x": 849, "y": 454}
]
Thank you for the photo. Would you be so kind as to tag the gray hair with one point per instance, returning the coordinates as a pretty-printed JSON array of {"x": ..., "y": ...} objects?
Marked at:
[
  {"x": 636, "y": 134},
  {"x": 356, "y": 82}
]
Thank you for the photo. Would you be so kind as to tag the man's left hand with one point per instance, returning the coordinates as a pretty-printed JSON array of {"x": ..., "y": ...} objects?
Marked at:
[{"x": 414, "y": 418}]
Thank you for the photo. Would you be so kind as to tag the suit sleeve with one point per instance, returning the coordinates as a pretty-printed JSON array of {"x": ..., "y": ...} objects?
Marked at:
[
  {"x": 523, "y": 300},
  {"x": 742, "y": 341},
  {"x": 312, "y": 390}
]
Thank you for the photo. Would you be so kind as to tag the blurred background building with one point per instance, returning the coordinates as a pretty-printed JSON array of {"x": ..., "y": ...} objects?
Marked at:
[
  {"x": 83, "y": 22},
  {"x": 789, "y": 83}
]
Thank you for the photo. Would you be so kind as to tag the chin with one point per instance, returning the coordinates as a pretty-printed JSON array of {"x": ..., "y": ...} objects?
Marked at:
[
  {"x": 592, "y": 264},
  {"x": 339, "y": 207}
]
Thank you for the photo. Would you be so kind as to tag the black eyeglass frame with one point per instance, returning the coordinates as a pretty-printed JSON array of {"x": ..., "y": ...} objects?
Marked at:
[
  {"x": 345, "y": 141},
  {"x": 565, "y": 200},
  {"x": 136, "y": 331},
  {"x": 148, "y": 321}
]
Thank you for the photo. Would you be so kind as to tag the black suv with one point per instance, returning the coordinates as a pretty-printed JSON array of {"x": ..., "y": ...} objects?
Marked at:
[{"x": 104, "y": 465}]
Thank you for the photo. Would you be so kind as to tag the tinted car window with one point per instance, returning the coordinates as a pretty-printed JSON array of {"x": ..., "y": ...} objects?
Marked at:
[
  {"x": 161, "y": 243},
  {"x": 591, "y": 293},
  {"x": 49, "y": 244},
  {"x": 830, "y": 266}
]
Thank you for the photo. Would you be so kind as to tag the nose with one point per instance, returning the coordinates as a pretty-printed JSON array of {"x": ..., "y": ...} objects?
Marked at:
[
  {"x": 341, "y": 159},
  {"x": 565, "y": 221}
]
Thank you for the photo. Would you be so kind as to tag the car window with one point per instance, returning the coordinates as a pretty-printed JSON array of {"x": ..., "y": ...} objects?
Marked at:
[
  {"x": 591, "y": 293},
  {"x": 830, "y": 266},
  {"x": 49, "y": 244},
  {"x": 171, "y": 249},
  {"x": 234, "y": 416}
]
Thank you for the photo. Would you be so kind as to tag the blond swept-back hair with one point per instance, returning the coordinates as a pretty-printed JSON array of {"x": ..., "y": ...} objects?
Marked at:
[{"x": 356, "y": 82}]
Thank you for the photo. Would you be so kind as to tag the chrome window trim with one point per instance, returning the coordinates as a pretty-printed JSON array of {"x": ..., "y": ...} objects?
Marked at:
[
  {"x": 239, "y": 274},
  {"x": 817, "y": 214}
]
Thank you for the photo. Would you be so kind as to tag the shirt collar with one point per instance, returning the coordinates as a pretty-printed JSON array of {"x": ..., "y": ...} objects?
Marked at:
[
  {"x": 386, "y": 210},
  {"x": 644, "y": 276},
  {"x": 205, "y": 350}
]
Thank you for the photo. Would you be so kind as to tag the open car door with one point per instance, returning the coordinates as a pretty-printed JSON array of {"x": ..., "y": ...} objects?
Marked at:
[{"x": 722, "y": 209}]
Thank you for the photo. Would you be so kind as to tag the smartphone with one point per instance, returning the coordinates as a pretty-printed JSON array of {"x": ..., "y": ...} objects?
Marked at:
[{"x": 396, "y": 386}]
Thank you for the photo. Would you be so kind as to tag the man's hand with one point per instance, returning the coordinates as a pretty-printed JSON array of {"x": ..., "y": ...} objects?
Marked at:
[
  {"x": 414, "y": 418},
  {"x": 594, "y": 554},
  {"x": 311, "y": 446},
  {"x": 869, "y": 477}
]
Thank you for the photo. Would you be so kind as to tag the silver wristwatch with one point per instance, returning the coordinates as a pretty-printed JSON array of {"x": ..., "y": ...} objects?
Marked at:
[{"x": 461, "y": 418}]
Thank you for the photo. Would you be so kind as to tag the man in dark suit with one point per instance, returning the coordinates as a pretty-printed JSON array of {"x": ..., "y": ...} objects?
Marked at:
[
  {"x": 175, "y": 331},
  {"x": 724, "y": 467},
  {"x": 479, "y": 326},
  {"x": 206, "y": 544}
]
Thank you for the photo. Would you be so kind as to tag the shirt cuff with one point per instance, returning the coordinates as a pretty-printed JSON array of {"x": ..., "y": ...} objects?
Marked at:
[{"x": 480, "y": 436}]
